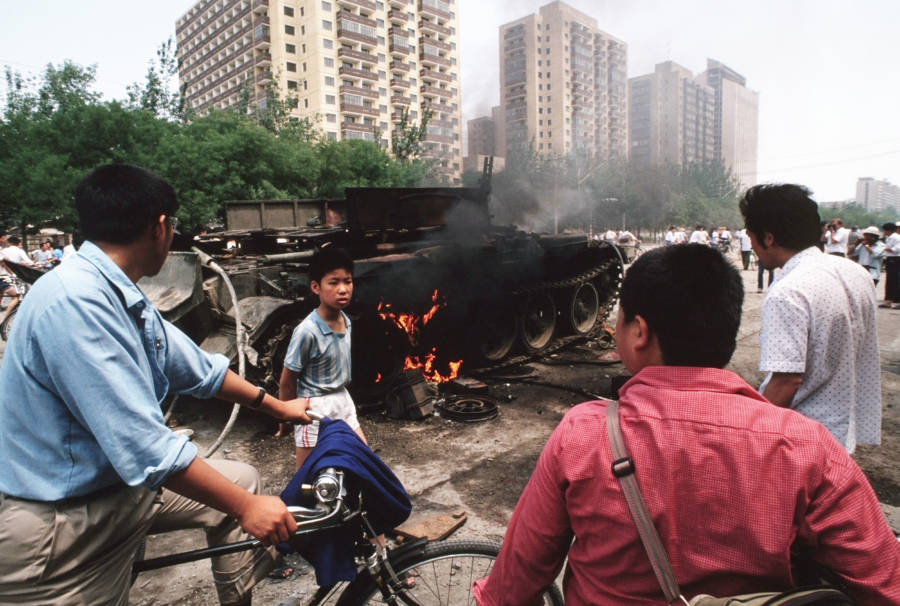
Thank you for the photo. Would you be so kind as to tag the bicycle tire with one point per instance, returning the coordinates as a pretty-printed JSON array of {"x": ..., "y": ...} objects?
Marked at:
[
  {"x": 433, "y": 570},
  {"x": 6, "y": 325}
]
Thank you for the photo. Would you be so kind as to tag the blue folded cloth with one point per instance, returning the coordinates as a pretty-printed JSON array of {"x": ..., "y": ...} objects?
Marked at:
[{"x": 385, "y": 500}]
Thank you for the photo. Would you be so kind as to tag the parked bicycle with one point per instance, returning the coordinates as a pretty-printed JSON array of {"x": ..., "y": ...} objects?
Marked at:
[
  {"x": 418, "y": 573},
  {"x": 22, "y": 279}
]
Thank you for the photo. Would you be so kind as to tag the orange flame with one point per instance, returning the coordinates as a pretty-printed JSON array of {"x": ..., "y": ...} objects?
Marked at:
[
  {"x": 378, "y": 378},
  {"x": 411, "y": 324}
]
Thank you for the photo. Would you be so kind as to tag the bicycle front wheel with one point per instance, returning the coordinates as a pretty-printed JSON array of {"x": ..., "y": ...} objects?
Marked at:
[{"x": 442, "y": 574}]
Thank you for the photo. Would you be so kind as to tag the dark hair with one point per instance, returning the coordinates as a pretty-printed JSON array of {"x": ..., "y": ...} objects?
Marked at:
[
  {"x": 691, "y": 298},
  {"x": 14, "y": 240},
  {"x": 116, "y": 202},
  {"x": 784, "y": 210},
  {"x": 327, "y": 260},
  {"x": 888, "y": 226}
]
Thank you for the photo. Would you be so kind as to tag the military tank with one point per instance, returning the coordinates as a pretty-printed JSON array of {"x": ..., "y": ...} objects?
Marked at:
[{"x": 437, "y": 286}]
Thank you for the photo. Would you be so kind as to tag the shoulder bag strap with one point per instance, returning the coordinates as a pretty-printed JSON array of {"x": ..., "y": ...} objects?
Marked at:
[{"x": 623, "y": 469}]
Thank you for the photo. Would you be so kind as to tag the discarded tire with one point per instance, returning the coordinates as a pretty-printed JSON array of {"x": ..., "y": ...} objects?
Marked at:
[{"x": 468, "y": 409}]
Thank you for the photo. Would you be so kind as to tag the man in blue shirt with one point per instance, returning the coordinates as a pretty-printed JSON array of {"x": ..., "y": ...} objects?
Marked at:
[{"x": 89, "y": 466}]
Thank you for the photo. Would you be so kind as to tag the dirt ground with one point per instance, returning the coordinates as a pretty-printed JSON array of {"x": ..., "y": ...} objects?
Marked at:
[{"x": 481, "y": 468}]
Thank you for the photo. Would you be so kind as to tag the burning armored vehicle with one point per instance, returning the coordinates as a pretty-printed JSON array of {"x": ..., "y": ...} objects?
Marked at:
[{"x": 437, "y": 286}]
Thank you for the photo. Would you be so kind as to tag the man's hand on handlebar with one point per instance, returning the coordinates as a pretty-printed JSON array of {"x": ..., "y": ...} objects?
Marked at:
[
  {"x": 267, "y": 518},
  {"x": 295, "y": 411}
]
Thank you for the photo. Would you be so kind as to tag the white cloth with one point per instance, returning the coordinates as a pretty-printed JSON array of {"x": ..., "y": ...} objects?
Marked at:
[
  {"x": 818, "y": 319},
  {"x": 680, "y": 237},
  {"x": 16, "y": 255},
  {"x": 836, "y": 241},
  {"x": 67, "y": 251},
  {"x": 670, "y": 237},
  {"x": 337, "y": 405},
  {"x": 892, "y": 245},
  {"x": 745, "y": 240},
  {"x": 870, "y": 260},
  {"x": 697, "y": 237}
]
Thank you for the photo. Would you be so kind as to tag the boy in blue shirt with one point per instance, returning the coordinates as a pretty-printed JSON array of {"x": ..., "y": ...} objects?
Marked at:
[{"x": 317, "y": 362}]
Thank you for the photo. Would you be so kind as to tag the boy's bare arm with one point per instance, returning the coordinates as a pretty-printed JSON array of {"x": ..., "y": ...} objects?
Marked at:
[{"x": 287, "y": 390}]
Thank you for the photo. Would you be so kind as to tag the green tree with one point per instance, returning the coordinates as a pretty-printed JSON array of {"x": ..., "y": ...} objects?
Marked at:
[{"x": 159, "y": 94}]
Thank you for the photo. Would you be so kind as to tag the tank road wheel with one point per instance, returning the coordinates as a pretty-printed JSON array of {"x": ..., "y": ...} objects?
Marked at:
[
  {"x": 582, "y": 309},
  {"x": 538, "y": 322},
  {"x": 493, "y": 333}
]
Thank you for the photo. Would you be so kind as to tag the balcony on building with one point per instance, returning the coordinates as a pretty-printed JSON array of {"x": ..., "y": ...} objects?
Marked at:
[
  {"x": 431, "y": 26},
  {"x": 368, "y": 5},
  {"x": 430, "y": 74},
  {"x": 261, "y": 37},
  {"x": 357, "y": 28},
  {"x": 368, "y": 93},
  {"x": 349, "y": 53},
  {"x": 263, "y": 58},
  {"x": 434, "y": 90},
  {"x": 398, "y": 4},
  {"x": 439, "y": 9},
  {"x": 425, "y": 40},
  {"x": 399, "y": 45},
  {"x": 263, "y": 76},
  {"x": 358, "y": 127},
  {"x": 359, "y": 110},
  {"x": 427, "y": 58},
  {"x": 365, "y": 74},
  {"x": 400, "y": 100},
  {"x": 400, "y": 66},
  {"x": 398, "y": 16},
  {"x": 437, "y": 138},
  {"x": 399, "y": 83},
  {"x": 441, "y": 107},
  {"x": 259, "y": 6}
]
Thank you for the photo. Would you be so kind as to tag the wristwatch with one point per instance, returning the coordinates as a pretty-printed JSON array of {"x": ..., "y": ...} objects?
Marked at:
[{"x": 259, "y": 398}]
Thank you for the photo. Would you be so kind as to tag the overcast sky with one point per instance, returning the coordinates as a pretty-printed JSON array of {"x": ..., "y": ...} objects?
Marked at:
[{"x": 826, "y": 70}]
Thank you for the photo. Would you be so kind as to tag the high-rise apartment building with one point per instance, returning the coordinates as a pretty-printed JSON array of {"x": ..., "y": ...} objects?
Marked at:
[
  {"x": 353, "y": 66},
  {"x": 563, "y": 85},
  {"x": 481, "y": 141},
  {"x": 672, "y": 117},
  {"x": 679, "y": 119},
  {"x": 737, "y": 120},
  {"x": 876, "y": 195}
]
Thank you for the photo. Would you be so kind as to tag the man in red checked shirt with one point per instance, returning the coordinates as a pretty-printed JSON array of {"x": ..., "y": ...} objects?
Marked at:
[{"x": 735, "y": 486}]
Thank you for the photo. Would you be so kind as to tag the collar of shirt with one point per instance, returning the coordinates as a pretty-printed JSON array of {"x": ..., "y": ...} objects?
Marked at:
[
  {"x": 131, "y": 294},
  {"x": 322, "y": 325},
  {"x": 812, "y": 252}
]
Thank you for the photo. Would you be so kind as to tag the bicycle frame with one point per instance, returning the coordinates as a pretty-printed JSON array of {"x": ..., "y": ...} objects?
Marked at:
[{"x": 309, "y": 521}]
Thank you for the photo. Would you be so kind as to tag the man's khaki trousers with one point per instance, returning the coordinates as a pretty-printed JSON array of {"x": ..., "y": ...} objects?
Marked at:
[{"x": 80, "y": 551}]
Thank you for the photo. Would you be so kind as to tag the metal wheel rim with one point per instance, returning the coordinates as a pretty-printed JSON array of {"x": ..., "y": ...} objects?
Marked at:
[
  {"x": 584, "y": 308},
  {"x": 469, "y": 409},
  {"x": 496, "y": 334},
  {"x": 538, "y": 321}
]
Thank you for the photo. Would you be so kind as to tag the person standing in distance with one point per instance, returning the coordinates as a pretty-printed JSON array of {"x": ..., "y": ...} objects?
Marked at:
[
  {"x": 819, "y": 341},
  {"x": 89, "y": 465}
]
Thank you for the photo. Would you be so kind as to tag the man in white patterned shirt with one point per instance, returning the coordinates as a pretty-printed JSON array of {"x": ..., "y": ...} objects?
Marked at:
[{"x": 818, "y": 341}]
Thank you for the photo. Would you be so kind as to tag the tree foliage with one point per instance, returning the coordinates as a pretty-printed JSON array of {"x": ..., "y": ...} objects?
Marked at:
[{"x": 56, "y": 128}]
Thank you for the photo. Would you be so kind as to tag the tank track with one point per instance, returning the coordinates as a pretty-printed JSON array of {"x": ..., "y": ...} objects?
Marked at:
[{"x": 562, "y": 342}]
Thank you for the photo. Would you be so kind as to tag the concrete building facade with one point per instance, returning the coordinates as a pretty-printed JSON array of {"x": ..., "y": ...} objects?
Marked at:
[
  {"x": 876, "y": 195},
  {"x": 563, "y": 85},
  {"x": 353, "y": 67},
  {"x": 671, "y": 117},
  {"x": 677, "y": 118},
  {"x": 736, "y": 120}
]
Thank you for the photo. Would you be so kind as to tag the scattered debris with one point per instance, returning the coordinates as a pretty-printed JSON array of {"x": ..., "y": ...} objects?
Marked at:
[
  {"x": 434, "y": 527},
  {"x": 468, "y": 409}
]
